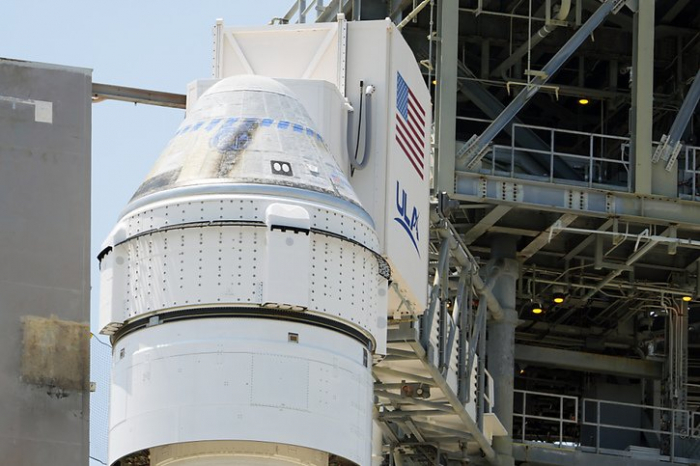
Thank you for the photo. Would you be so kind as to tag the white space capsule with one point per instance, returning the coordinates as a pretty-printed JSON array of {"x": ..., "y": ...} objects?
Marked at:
[{"x": 244, "y": 292}]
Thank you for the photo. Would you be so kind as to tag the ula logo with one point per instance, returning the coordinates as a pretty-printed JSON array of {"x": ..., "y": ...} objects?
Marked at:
[{"x": 408, "y": 217}]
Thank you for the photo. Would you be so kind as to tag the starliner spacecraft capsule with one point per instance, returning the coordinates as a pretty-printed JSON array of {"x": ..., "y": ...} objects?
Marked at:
[{"x": 245, "y": 292}]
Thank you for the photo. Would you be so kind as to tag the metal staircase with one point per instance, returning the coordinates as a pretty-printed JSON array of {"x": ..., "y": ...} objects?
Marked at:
[{"x": 433, "y": 394}]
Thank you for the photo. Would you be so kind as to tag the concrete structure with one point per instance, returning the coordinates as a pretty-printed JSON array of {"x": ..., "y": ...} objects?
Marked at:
[{"x": 44, "y": 268}]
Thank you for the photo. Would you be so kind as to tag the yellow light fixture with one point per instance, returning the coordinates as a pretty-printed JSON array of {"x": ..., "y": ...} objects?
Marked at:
[
  {"x": 558, "y": 298},
  {"x": 537, "y": 308},
  {"x": 434, "y": 81},
  {"x": 583, "y": 101},
  {"x": 687, "y": 298}
]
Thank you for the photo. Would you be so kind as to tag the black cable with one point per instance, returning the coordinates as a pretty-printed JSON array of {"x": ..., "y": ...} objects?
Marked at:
[
  {"x": 359, "y": 127},
  {"x": 100, "y": 341},
  {"x": 98, "y": 460}
]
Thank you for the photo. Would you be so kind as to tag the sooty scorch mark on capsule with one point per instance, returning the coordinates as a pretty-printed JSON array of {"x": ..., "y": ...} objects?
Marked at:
[{"x": 231, "y": 140}]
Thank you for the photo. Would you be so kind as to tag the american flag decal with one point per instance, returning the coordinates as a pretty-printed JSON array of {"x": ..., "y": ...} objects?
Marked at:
[{"x": 410, "y": 125}]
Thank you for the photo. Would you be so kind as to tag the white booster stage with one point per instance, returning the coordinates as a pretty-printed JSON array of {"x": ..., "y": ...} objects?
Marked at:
[{"x": 247, "y": 285}]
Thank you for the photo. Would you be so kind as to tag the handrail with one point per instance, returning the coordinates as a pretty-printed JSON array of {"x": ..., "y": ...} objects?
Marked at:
[
  {"x": 676, "y": 423},
  {"x": 561, "y": 419},
  {"x": 506, "y": 157},
  {"x": 687, "y": 430},
  {"x": 689, "y": 172}
]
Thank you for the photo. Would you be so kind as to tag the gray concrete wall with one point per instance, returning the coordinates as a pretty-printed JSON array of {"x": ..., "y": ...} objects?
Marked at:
[{"x": 44, "y": 263}]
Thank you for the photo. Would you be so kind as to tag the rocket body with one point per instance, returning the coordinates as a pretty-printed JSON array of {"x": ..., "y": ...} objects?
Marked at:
[{"x": 244, "y": 292}]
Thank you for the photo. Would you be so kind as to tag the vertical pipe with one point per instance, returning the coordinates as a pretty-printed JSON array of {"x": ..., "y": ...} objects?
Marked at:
[
  {"x": 302, "y": 11},
  {"x": 429, "y": 316},
  {"x": 524, "y": 413},
  {"x": 481, "y": 376},
  {"x": 501, "y": 341},
  {"x": 561, "y": 421},
  {"x": 579, "y": 12},
  {"x": 485, "y": 58},
  {"x": 534, "y": 39},
  {"x": 464, "y": 308},
  {"x": 597, "y": 427}
]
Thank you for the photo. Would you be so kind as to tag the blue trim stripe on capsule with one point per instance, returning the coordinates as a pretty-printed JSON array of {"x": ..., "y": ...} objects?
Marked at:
[
  {"x": 229, "y": 122},
  {"x": 209, "y": 125},
  {"x": 212, "y": 124}
]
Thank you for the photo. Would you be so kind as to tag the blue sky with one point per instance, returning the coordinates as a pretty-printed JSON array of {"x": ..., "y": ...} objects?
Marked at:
[{"x": 153, "y": 44}]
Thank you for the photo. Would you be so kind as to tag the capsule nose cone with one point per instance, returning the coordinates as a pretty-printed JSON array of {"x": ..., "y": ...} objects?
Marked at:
[{"x": 248, "y": 129}]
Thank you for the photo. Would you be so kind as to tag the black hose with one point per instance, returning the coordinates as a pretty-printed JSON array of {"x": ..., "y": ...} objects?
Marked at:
[{"x": 354, "y": 164}]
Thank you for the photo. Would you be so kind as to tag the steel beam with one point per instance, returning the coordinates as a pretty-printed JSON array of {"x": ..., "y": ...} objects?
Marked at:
[
  {"x": 543, "y": 32},
  {"x": 624, "y": 21},
  {"x": 395, "y": 397},
  {"x": 413, "y": 14},
  {"x": 641, "y": 124},
  {"x": 446, "y": 108},
  {"x": 409, "y": 414},
  {"x": 532, "y": 163},
  {"x": 462, "y": 255},
  {"x": 332, "y": 9},
  {"x": 671, "y": 143},
  {"x": 474, "y": 150},
  {"x": 588, "y": 362},
  {"x": 410, "y": 336},
  {"x": 674, "y": 10},
  {"x": 638, "y": 254},
  {"x": 587, "y": 241},
  {"x": 514, "y": 231},
  {"x": 458, "y": 406},
  {"x": 572, "y": 333},
  {"x": 101, "y": 92},
  {"x": 485, "y": 223},
  {"x": 550, "y": 197},
  {"x": 543, "y": 454},
  {"x": 546, "y": 236}
]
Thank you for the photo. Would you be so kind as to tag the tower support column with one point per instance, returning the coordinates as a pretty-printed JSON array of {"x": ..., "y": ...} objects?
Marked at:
[{"x": 501, "y": 341}]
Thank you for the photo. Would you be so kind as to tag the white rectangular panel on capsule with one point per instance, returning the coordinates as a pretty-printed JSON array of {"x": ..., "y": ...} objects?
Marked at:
[{"x": 288, "y": 256}]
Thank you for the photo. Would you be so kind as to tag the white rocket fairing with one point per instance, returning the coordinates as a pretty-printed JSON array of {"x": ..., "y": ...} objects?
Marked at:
[{"x": 245, "y": 293}]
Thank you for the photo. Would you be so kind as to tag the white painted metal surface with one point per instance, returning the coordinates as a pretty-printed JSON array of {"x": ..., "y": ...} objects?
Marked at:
[
  {"x": 394, "y": 188},
  {"x": 241, "y": 379},
  {"x": 245, "y": 291},
  {"x": 164, "y": 259}
]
